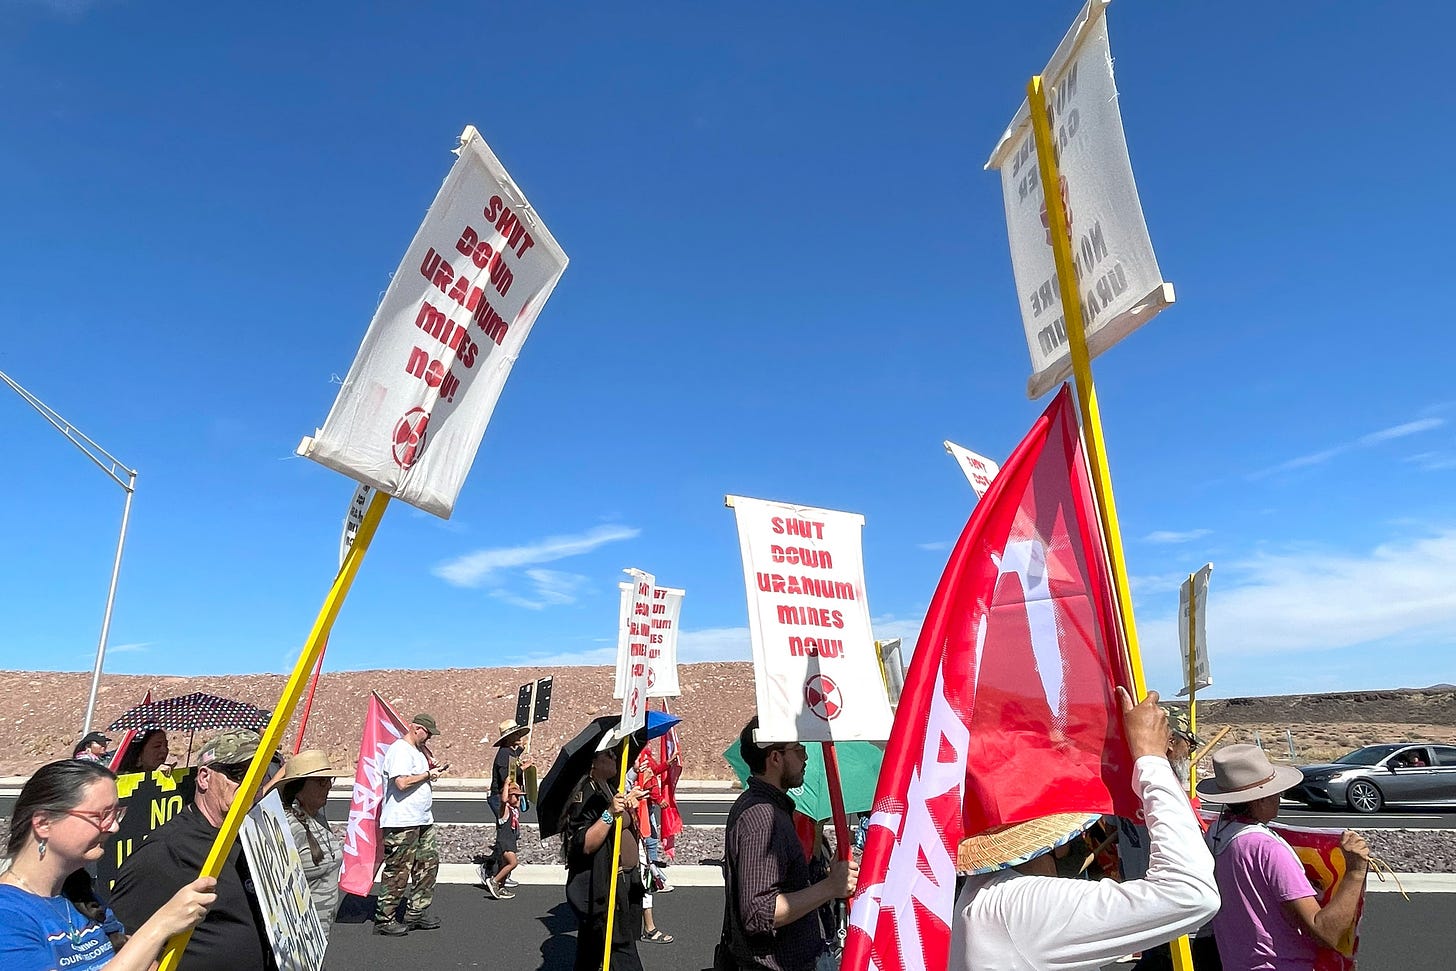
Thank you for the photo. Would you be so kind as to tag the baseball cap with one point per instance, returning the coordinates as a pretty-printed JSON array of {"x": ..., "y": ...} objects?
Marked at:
[
  {"x": 230, "y": 748},
  {"x": 1180, "y": 724},
  {"x": 427, "y": 722}
]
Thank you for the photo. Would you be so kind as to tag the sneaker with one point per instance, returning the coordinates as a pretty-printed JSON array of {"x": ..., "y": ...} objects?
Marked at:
[
  {"x": 504, "y": 894},
  {"x": 491, "y": 890},
  {"x": 665, "y": 888},
  {"x": 390, "y": 928},
  {"x": 510, "y": 882},
  {"x": 424, "y": 922},
  {"x": 483, "y": 873}
]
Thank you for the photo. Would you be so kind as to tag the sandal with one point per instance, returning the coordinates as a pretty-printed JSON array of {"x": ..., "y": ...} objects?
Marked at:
[{"x": 657, "y": 937}]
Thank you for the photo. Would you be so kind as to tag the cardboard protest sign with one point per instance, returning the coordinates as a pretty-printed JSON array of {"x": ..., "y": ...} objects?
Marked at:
[
  {"x": 661, "y": 651},
  {"x": 1117, "y": 273},
  {"x": 150, "y": 799},
  {"x": 979, "y": 470},
  {"x": 634, "y": 638},
  {"x": 1195, "y": 592},
  {"x": 363, "y": 848},
  {"x": 282, "y": 891},
  {"x": 816, "y": 670},
  {"x": 414, "y": 406}
]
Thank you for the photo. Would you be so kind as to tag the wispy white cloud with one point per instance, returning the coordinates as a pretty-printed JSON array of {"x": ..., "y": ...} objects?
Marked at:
[
  {"x": 1374, "y": 438},
  {"x": 1433, "y": 461},
  {"x": 1272, "y": 604},
  {"x": 139, "y": 647},
  {"x": 1169, "y": 536},
  {"x": 548, "y": 588},
  {"x": 589, "y": 658},
  {"x": 933, "y": 547},
  {"x": 481, "y": 568}
]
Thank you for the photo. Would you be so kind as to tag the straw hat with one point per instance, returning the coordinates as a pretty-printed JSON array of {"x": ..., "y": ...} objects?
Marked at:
[
  {"x": 308, "y": 764},
  {"x": 510, "y": 731},
  {"x": 1009, "y": 846},
  {"x": 1243, "y": 773}
]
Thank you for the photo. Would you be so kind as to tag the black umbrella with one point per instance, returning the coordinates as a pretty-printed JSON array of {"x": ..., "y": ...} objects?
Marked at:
[
  {"x": 193, "y": 713},
  {"x": 571, "y": 766}
]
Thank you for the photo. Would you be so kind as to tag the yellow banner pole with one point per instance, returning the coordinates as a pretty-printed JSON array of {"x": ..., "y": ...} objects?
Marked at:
[
  {"x": 1192, "y": 686},
  {"x": 1051, "y": 182},
  {"x": 616, "y": 856},
  {"x": 283, "y": 713}
]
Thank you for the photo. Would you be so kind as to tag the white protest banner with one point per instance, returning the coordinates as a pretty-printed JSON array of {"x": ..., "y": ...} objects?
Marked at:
[
  {"x": 1118, "y": 275},
  {"x": 816, "y": 670},
  {"x": 414, "y": 406},
  {"x": 661, "y": 652},
  {"x": 353, "y": 519},
  {"x": 282, "y": 891},
  {"x": 979, "y": 470},
  {"x": 1195, "y": 592},
  {"x": 636, "y": 636}
]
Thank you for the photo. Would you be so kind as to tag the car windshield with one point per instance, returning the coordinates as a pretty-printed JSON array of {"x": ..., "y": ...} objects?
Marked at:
[{"x": 1369, "y": 755}]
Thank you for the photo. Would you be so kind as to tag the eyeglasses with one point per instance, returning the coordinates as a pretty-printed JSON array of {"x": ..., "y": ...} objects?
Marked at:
[
  {"x": 796, "y": 748},
  {"x": 236, "y": 773},
  {"x": 102, "y": 820}
]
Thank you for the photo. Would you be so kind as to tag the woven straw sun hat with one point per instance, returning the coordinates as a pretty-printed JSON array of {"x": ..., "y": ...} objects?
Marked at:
[
  {"x": 1243, "y": 773},
  {"x": 308, "y": 764},
  {"x": 1009, "y": 846},
  {"x": 510, "y": 731}
]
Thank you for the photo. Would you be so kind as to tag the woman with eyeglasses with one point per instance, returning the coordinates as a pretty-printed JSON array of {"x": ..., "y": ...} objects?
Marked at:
[{"x": 49, "y": 914}]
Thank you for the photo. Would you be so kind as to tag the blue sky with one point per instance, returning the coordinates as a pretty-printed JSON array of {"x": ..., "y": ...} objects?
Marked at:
[{"x": 784, "y": 251}]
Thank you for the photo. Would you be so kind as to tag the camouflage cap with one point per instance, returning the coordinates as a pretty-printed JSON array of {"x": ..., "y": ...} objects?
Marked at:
[
  {"x": 1180, "y": 725},
  {"x": 427, "y": 722},
  {"x": 230, "y": 748}
]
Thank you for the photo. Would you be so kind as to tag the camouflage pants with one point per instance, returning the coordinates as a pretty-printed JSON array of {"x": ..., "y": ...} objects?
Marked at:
[{"x": 411, "y": 862}]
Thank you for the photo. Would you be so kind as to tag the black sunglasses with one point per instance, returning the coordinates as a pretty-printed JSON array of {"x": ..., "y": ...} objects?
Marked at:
[{"x": 237, "y": 773}]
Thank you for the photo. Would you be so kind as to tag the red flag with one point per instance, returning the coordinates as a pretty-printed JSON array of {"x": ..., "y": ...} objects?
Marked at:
[
  {"x": 127, "y": 739},
  {"x": 1008, "y": 711},
  {"x": 362, "y": 848}
]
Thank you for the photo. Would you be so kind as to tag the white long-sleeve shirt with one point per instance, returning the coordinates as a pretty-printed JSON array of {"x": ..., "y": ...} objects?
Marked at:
[{"x": 1010, "y": 921}]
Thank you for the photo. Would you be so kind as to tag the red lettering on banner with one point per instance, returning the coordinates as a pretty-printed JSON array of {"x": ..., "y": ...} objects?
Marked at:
[
  {"x": 806, "y": 586},
  {"x": 806, "y": 528},
  {"x": 489, "y": 321},
  {"x": 434, "y": 322},
  {"x": 799, "y": 556},
  {"x": 809, "y": 616},
  {"x": 508, "y": 225},
  {"x": 432, "y": 372},
  {"x": 815, "y": 647}
]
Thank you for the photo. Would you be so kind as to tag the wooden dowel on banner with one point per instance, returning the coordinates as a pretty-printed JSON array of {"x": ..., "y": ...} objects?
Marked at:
[
  {"x": 616, "y": 857},
  {"x": 842, "y": 845},
  {"x": 1067, "y": 286},
  {"x": 283, "y": 713},
  {"x": 308, "y": 702}
]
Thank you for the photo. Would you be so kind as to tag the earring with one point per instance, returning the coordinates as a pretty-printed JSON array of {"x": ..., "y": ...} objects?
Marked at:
[{"x": 41, "y": 849}]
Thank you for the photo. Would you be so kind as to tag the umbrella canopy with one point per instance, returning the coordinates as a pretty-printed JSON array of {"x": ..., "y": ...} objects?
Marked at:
[
  {"x": 575, "y": 759},
  {"x": 859, "y": 770},
  {"x": 193, "y": 713}
]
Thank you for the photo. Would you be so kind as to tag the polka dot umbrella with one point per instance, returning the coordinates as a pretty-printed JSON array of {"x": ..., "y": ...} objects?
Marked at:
[{"x": 193, "y": 713}]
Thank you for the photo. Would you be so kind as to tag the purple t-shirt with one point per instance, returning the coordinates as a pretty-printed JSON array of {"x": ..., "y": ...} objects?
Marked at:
[{"x": 1256, "y": 873}]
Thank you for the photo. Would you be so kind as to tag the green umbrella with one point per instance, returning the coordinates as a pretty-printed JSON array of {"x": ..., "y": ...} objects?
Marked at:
[{"x": 859, "y": 770}]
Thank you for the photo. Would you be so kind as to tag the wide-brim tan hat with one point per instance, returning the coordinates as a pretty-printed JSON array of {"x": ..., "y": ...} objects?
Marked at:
[
  {"x": 510, "y": 731},
  {"x": 1012, "y": 845},
  {"x": 311, "y": 763},
  {"x": 1243, "y": 773}
]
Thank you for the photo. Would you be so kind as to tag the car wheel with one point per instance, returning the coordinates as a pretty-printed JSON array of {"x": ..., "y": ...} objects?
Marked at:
[{"x": 1364, "y": 797}]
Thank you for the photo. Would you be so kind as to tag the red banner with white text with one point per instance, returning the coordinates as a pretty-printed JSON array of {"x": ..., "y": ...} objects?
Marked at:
[
  {"x": 1009, "y": 710},
  {"x": 362, "y": 848}
]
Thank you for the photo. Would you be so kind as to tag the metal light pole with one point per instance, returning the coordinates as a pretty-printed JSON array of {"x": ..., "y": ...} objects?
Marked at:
[{"x": 114, "y": 470}]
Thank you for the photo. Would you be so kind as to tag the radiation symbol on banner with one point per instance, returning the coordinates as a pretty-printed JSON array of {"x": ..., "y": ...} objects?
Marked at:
[
  {"x": 1046, "y": 219},
  {"x": 651, "y": 678},
  {"x": 409, "y": 436},
  {"x": 822, "y": 696}
]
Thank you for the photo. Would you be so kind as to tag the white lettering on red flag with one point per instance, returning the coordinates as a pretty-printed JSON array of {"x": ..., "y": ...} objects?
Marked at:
[
  {"x": 1008, "y": 711},
  {"x": 815, "y": 669},
  {"x": 362, "y": 848},
  {"x": 662, "y": 679},
  {"x": 634, "y": 640},
  {"x": 414, "y": 405}
]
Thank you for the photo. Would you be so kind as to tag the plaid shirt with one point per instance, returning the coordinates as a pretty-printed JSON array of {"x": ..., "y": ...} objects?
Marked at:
[{"x": 764, "y": 858}]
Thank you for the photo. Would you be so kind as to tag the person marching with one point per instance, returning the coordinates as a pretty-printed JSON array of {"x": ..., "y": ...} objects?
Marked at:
[
  {"x": 304, "y": 789},
  {"x": 507, "y": 844},
  {"x": 592, "y": 812},
  {"x": 407, "y": 827}
]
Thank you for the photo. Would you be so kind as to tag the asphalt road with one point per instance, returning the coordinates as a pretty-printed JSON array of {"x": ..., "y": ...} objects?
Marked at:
[{"x": 537, "y": 931}]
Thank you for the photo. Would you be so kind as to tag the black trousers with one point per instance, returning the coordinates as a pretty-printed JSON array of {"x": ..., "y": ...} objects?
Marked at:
[{"x": 591, "y": 931}]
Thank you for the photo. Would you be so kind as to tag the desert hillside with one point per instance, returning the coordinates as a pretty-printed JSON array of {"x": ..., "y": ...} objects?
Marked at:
[{"x": 45, "y": 711}]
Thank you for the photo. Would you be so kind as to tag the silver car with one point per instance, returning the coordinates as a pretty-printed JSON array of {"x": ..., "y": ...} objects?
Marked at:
[{"x": 1407, "y": 773}]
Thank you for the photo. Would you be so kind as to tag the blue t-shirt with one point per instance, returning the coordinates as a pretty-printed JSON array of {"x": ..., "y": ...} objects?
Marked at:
[{"x": 49, "y": 934}]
